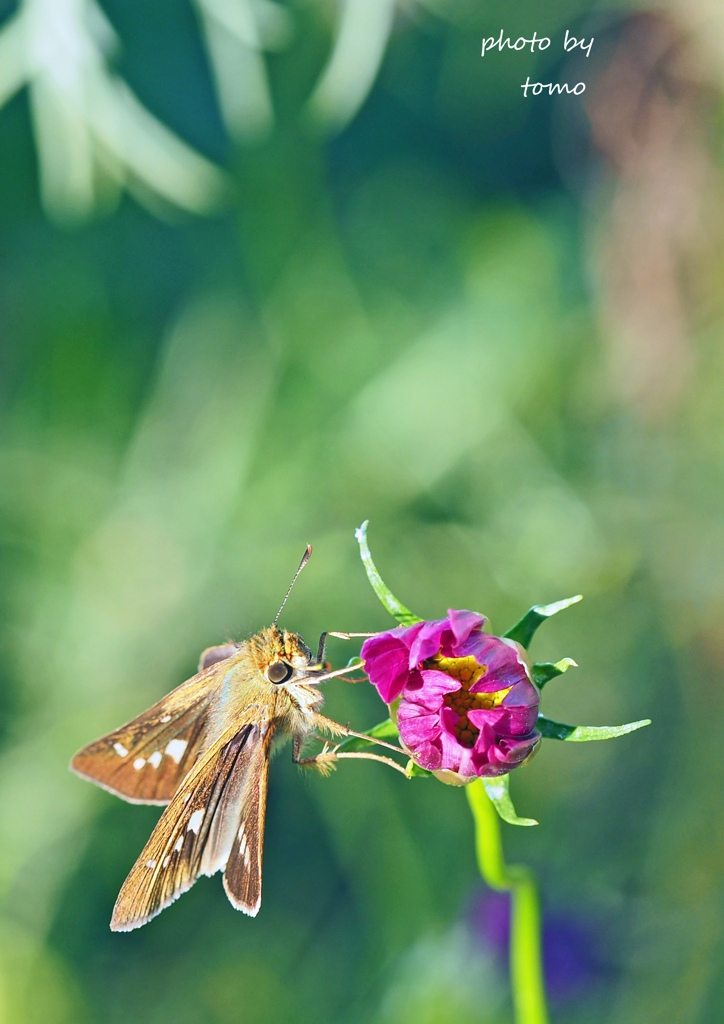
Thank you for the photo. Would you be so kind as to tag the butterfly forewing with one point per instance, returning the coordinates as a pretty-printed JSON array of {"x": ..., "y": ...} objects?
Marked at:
[
  {"x": 196, "y": 831},
  {"x": 145, "y": 760}
]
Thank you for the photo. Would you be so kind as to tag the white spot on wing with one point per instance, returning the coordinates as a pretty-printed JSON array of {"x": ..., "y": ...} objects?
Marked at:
[
  {"x": 150, "y": 863},
  {"x": 120, "y": 750},
  {"x": 179, "y": 843},
  {"x": 247, "y": 858},
  {"x": 243, "y": 843},
  {"x": 139, "y": 762},
  {"x": 195, "y": 820},
  {"x": 165, "y": 862},
  {"x": 166, "y": 718},
  {"x": 187, "y": 798},
  {"x": 175, "y": 749},
  {"x": 155, "y": 758}
]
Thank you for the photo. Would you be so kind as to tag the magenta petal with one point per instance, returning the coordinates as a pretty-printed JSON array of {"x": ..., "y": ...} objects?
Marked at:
[
  {"x": 504, "y": 670},
  {"x": 448, "y": 719},
  {"x": 427, "y": 753},
  {"x": 385, "y": 659},
  {"x": 510, "y": 752},
  {"x": 386, "y": 667},
  {"x": 519, "y": 721},
  {"x": 435, "y": 685},
  {"x": 484, "y": 743},
  {"x": 451, "y": 749},
  {"x": 413, "y": 684},
  {"x": 523, "y": 694},
  {"x": 418, "y": 729},
  {"x": 427, "y": 642},
  {"x": 483, "y": 717},
  {"x": 462, "y": 624},
  {"x": 420, "y": 732},
  {"x": 491, "y": 683},
  {"x": 478, "y": 645},
  {"x": 455, "y": 757},
  {"x": 465, "y": 760},
  {"x": 505, "y": 721},
  {"x": 502, "y": 656},
  {"x": 507, "y": 661}
]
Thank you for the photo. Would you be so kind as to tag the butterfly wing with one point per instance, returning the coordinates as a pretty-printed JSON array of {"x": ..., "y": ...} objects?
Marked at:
[
  {"x": 219, "y": 653},
  {"x": 242, "y": 877},
  {"x": 145, "y": 760},
  {"x": 198, "y": 829}
]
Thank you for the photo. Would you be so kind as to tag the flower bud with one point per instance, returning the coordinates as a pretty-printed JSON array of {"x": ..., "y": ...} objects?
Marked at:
[{"x": 467, "y": 704}]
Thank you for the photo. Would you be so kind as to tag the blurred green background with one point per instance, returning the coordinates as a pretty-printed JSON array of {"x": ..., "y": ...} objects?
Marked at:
[{"x": 268, "y": 270}]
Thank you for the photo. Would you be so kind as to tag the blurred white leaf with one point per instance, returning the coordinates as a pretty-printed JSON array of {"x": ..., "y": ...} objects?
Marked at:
[
  {"x": 364, "y": 30},
  {"x": 92, "y": 134},
  {"x": 236, "y": 33},
  {"x": 12, "y": 59}
]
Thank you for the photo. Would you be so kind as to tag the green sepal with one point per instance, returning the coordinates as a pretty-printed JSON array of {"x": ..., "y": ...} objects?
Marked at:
[
  {"x": 498, "y": 790},
  {"x": 396, "y": 608},
  {"x": 544, "y": 671},
  {"x": 583, "y": 733},
  {"x": 523, "y": 631},
  {"x": 414, "y": 770},
  {"x": 394, "y": 707},
  {"x": 386, "y": 730}
]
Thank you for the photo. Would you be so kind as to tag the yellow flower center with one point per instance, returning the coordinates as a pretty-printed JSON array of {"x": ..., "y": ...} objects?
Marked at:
[{"x": 467, "y": 671}]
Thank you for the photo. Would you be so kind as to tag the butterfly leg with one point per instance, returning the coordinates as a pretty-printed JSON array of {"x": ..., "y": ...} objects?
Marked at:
[
  {"x": 320, "y": 721},
  {"x": 348, "y": 636},
  {"x": 323, "y": 643},
  {"x": 325, "y": 760}
]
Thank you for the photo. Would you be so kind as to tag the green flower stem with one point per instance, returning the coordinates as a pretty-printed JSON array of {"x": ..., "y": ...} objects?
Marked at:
[{"x": 526, "y": 965}]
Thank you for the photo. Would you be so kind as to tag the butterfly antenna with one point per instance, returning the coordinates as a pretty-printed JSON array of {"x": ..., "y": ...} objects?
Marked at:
[{"x": 305, "y": 558}]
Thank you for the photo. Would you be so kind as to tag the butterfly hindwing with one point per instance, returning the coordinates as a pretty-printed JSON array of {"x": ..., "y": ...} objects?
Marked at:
[
  {"x": 145, "y": 760},
  {"x": 196, "y": 831},
  {"x": 242, "y": 877}
]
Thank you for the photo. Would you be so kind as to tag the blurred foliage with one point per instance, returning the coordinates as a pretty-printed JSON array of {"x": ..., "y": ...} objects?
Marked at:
[{"x": 491, "y": 326}]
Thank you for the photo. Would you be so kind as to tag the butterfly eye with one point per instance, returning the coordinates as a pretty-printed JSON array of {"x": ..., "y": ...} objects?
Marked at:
[{"x": 278, "y": 672}]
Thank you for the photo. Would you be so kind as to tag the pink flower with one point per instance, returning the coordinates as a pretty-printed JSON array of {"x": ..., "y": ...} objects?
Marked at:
[{"x": 468, "y": 706}]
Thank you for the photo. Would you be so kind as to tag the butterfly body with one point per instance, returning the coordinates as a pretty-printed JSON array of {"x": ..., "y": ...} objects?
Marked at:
[{"x": 204, "y": 750}]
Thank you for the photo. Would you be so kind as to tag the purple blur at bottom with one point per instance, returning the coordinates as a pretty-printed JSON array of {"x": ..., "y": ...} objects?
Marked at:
[{"x": 572, "y": 960}]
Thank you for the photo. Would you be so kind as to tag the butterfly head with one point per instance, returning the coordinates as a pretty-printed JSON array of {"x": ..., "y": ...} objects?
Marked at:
[
  {"x": 285, "y": 661},
  {"x": 281, "y": 656}
]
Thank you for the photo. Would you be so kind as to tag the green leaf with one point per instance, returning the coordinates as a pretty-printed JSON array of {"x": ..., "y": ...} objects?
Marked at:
[
  {"x": 403, "y": 615},
  {"x": 544, "y": 671},
  {"x": 522, "y": 632},
  {"x": 498, "y": 791},
  {"x": 386, "y": 730},
  {"x": 583, "y": 733}
]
